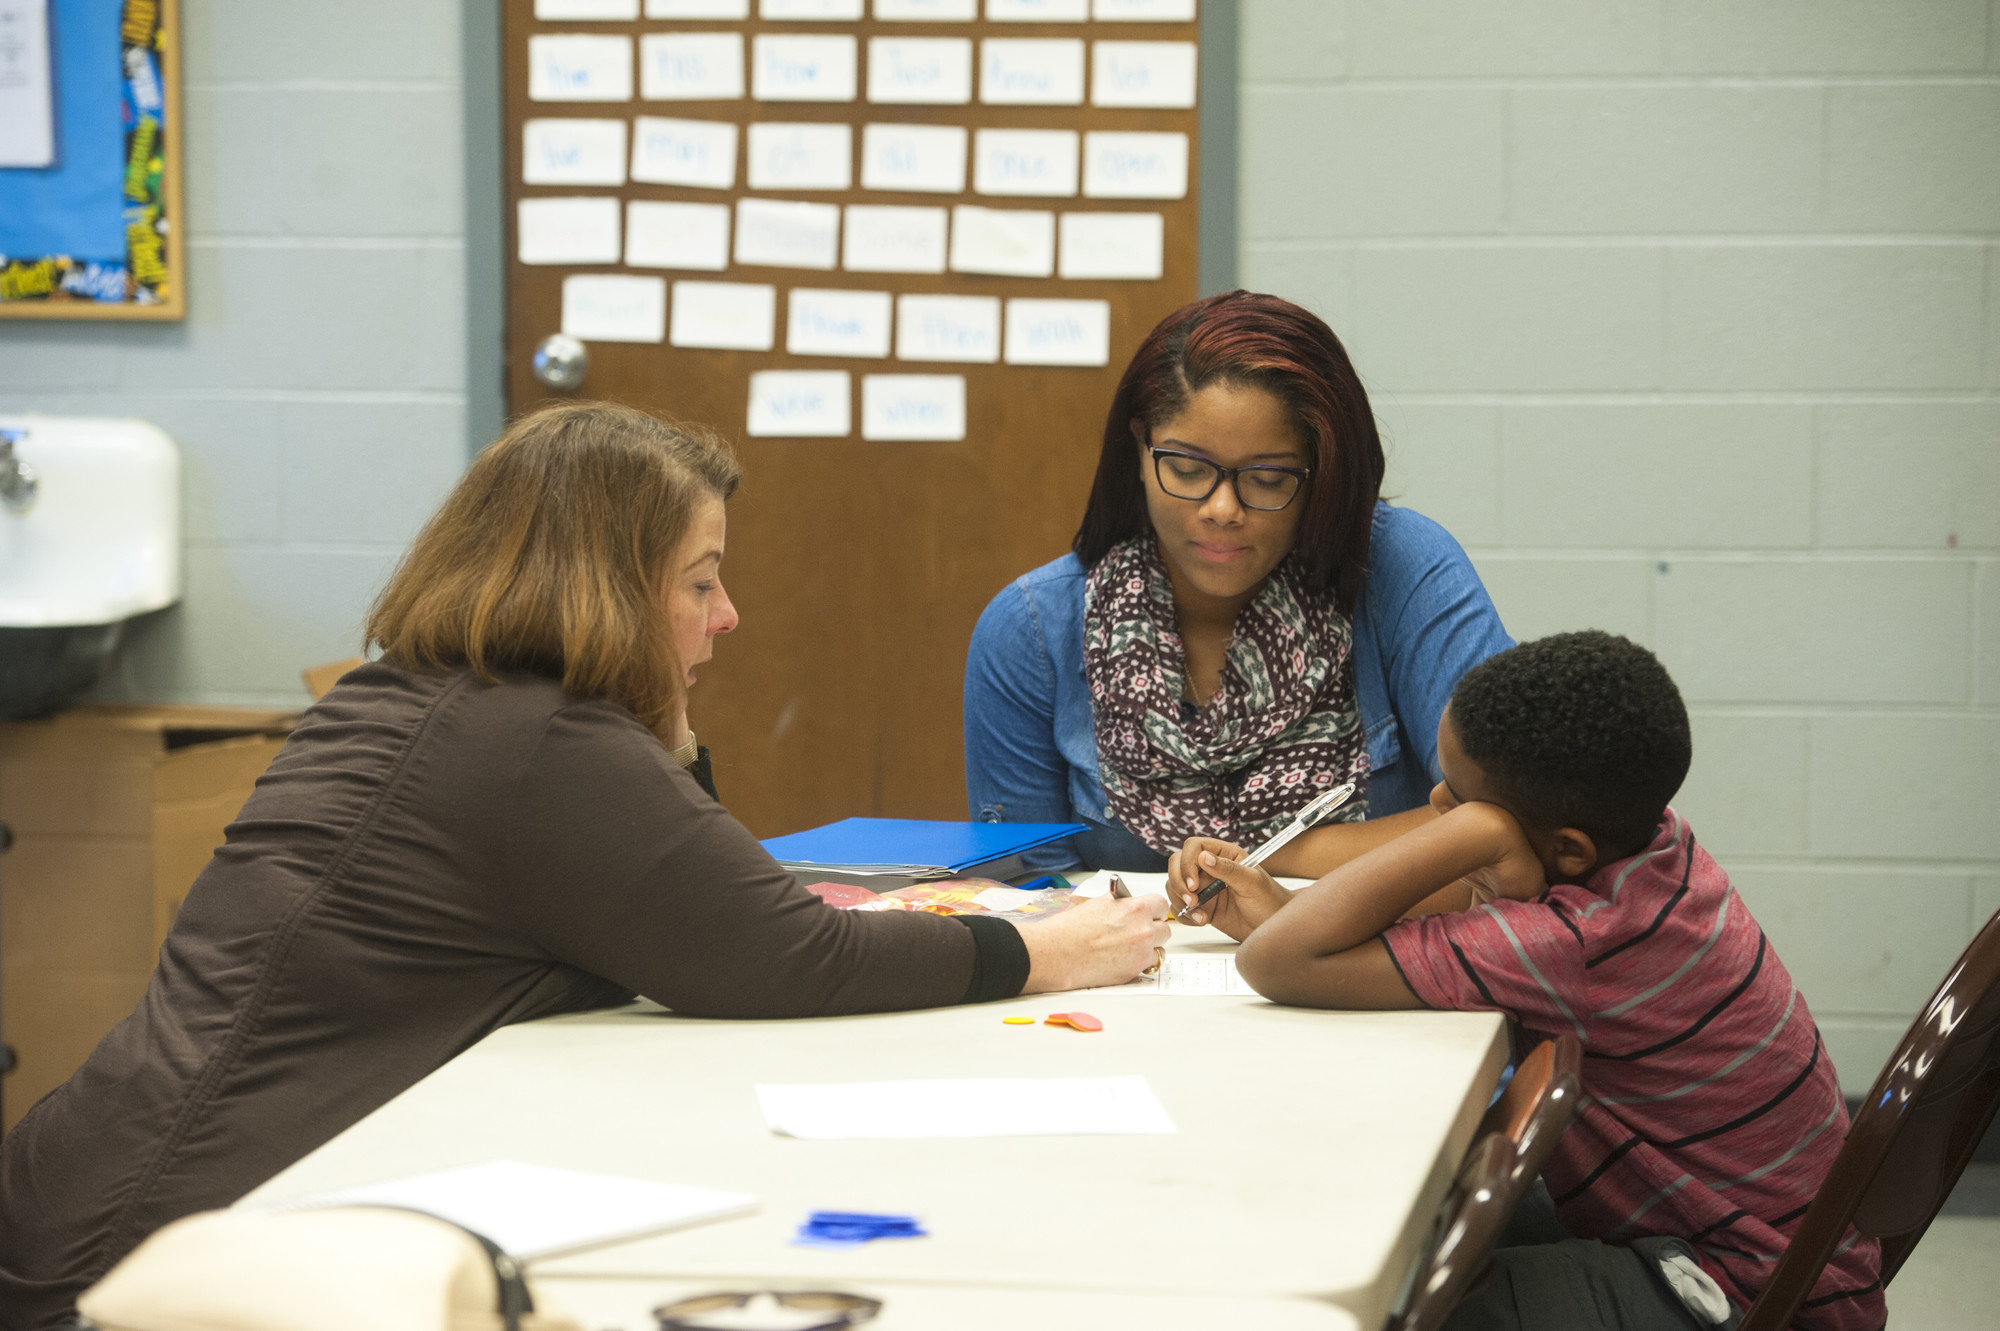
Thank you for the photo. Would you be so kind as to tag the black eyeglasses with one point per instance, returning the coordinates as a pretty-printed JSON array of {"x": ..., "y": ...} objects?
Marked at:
[{"x": 1263, "y": 487}]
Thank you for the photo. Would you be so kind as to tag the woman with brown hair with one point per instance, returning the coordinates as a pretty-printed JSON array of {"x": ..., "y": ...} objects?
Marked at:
[{"x": 493, "y": 822}]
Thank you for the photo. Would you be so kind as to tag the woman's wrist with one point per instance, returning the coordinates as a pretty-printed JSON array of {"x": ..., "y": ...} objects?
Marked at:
[{"x": 688, "y": 751}]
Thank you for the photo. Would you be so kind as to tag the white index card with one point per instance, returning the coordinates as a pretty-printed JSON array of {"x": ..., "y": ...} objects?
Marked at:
[
  {"x": 924, "y": 159},
  {"x": 809, "y": 9},
  {"x": 772, "y": 233},
  {"x": 1142, "y": 11},
  {"x": 1031, "y": 71},
  {"x": 732, "y": 316},
  {"x": 837, "y": 323},
  {"x": 697, "y": 8},
  {"x": 581, "y": 230},
  {"x": 801, "y": 156},
  {"x": 1040, "y": 162},
  {"x": 1157, "y": 74},
  {"x": 1121, "y": 165},
  {"x": 920, "y": 71},
  {"x": 701, "y": 153},
  {"x": 605, "y": 307},
  {"x": 1130, "y": 246},
  {"x": 887, "y": 239},
  {"x": 1058, "y": 332},
  {"x": 581, "y": 11},
  {"x": 801, "y": 404},
  {"x": 690, "y": 67},
  {"x": 573, "y": 152},
  {"x": 1004, "y": 242},
  {"x": 798, "y": 67},
  {"x": 949, "y": 328},
  {"x": 927, "y": 11},
  {"x": 576, "y": 67},
  {"x": 677, "y": 235},
  {"x": 913, "y": 407},
  {"x": 1037, "y": 11}
]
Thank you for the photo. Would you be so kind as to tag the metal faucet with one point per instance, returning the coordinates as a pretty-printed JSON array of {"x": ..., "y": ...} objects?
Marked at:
[{"x": 18, "y": 482}]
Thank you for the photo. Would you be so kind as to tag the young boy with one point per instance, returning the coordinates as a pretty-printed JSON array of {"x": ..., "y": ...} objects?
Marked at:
[{"x": 1557, "y": 887}]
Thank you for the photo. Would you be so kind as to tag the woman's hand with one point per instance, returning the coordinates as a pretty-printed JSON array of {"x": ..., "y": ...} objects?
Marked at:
[
  {"x": 1249, "y": 898},
  {"x": 1102, "y": 941}
]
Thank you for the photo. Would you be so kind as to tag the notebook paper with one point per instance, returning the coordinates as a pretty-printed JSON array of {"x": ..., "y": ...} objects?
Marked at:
[{"x": 966, "y": 1107}]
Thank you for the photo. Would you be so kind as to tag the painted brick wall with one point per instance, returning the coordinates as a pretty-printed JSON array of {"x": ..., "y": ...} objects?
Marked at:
[
  {"x": 1685, "y": 317},
  {"x": 317, "y": 386}
]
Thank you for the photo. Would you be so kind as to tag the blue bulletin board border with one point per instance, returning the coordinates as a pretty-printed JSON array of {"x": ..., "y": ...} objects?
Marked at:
[{"x": 146, "y": 279}]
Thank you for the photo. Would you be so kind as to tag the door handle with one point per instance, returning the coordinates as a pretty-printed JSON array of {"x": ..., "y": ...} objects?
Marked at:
[{"x": 561, "y": 361}]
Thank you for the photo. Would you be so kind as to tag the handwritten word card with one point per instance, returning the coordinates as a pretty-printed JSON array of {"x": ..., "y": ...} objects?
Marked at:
[
  {"x": 801, "y": 404},
  {"x": 921, "y": 71},
  {"x": 602, "y": 307},
  {"x": 571, "y": 67},
  {"x": 1003, "y": 242},
  {"x": 777, "y": 234},
  {"x": 1142, "y": 11},
  {"x": 924, "y": 159},
  {"x": 677, "y": 235},
  {"x": 913, "y": 406},
  {"x": 886, "y": 239},
  {"x": 805, "y": 69},
  {"x": 701, "y": 153},
  {"x": 801, "y": 156},
  {"x": 1127, "y": 246},
  {"x": 567, "y": 230},
  {"x": 1121, "y": 165},
  {"x": 573, "y": 152},
  {"x": 732, "y": 316},
  {"x": 697, "y": 8},
  {"x": 586, "y": 10},
  {"x": 949, "y": 328},
  {"x": 837, "y": 323},
  {"x": 1025, "y": 161},
  {"x": 809, "y": 9},
  {"x": 1058, "y": 332},
  {"x": 1037, "y": 11},
  {"x": 690, "y": 66},
  {"x": 1031, "y": 71},
  {"x": 927, "y": 11},
  {"x": 1142, "y": 74}
]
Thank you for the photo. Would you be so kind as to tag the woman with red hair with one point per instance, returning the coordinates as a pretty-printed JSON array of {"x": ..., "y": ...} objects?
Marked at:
[{"x": 1243, "y": 624}]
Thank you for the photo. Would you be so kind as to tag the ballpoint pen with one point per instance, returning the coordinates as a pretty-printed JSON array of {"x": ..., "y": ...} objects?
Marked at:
[
  {"x": 1304, "y": 819},
  {"x": 1121, "y": 892}
]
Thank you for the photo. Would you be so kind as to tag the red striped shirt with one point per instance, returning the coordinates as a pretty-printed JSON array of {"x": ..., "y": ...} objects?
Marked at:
[{"x": 1710, "y": 1109}]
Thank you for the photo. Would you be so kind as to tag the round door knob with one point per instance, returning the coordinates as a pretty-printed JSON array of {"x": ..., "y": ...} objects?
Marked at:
[{"x": 561, "y": 362}]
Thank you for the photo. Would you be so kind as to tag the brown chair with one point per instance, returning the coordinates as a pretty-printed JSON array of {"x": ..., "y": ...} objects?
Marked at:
[
  {"x": 1911, "y": 1139},
  {"x": 1513, "y": 1142}
]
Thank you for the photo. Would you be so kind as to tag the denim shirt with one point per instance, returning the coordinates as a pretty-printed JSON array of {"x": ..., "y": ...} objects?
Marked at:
[{"x": 1422, "y": 621}]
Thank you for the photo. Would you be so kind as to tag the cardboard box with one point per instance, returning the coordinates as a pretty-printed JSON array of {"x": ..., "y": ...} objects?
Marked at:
[{"x": 115, "y": 810}]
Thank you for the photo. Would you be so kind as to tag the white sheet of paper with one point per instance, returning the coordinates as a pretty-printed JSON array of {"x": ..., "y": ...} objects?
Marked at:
[
  {"x": 677, "y": 235},
  {"x": 798, "y": 67},
  {"x": 1037, "y": 11},
  {"x": 787, "y": 156},
  {"x": 579, "y": 67},
  {"x": 925, "y": 407},
  {"x": 809, "y": 9},
  {"x": 801, "y": 404},
  {"x": 927, "y": 11},
  {"x": 1003, "y": 242},
  {"x": 1124, "y": 246},
  {"x": 1122, "y": 165},
  {"x": 733, "y": 316},
  {"x": 775, "y": 233},
  {"x": 697, "y": 8},
  {"x": 966, "y": 1107},
  {"x": 1058, "y": 332},
  {"x": 837, "y": 323},
  {"x": 701, "y": 153},
  {"x": 1188, "y": 975},
  {"x": 1142, "y": 11},
  {"x": 27, "y": 86},
  {"x": 609, "y": 307},
  {"x": 888, "y": 239},
  {"x": 1035, "y": 162},
  {"x": 1031, "y": 71},
  {"x": 948, "y": 328},
  {"x": 920, "y": 71},
  {"x": 573, "y": 152},
  {"x": 690, "y": 66},
  {"x": 585, "y": 10},
  {"x": 534, "y": 1211},
  {"x": 923, "y": 159},
  {"x": 568, "y": 230},
  {"x": 1159, "y": 74}
]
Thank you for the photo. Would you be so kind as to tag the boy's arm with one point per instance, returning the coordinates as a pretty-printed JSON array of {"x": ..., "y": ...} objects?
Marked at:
[{"x": 1323, "y": 948}]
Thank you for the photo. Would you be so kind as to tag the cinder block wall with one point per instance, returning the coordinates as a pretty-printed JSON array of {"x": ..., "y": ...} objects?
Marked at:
[
  {"x": 1684, "y": 316},
  {"x": 317, "y": 385}
]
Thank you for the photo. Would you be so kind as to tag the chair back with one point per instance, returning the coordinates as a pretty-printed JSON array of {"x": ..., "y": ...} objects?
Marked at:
[
  {"x": 1911, "y": 1138},
  {"x": 1539, "y": 1103}
]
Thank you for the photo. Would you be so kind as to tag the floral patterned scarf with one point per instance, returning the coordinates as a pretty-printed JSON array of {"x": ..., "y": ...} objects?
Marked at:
[{"x": 1283, "y": 727}]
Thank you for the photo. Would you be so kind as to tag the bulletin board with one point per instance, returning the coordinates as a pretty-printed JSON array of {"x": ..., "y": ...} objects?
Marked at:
[
  {"x": 912, "y": 344},
  {"x": 96, "y": 232}
]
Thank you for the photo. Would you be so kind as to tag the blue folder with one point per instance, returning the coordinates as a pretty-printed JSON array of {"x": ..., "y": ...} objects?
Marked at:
[{"x": 914, "y": 845}]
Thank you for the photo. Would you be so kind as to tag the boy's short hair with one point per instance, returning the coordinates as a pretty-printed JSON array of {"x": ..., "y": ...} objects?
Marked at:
[{"x": 1581, "y": 730}]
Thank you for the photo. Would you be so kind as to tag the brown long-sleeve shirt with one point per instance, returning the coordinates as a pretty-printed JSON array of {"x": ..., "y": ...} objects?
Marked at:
[{"x": 428, "y": 859}]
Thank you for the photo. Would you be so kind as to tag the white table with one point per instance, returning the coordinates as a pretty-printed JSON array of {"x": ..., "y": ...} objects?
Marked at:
[{"x": 1313, "y": 1150}]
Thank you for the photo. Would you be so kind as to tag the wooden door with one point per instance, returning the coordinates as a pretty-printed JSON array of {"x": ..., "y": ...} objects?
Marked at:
[{"x": 859, "y": 567}]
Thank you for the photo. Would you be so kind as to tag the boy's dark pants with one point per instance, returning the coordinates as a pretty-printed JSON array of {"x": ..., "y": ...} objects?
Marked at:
[{"x": 1544, "y": 1279}]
